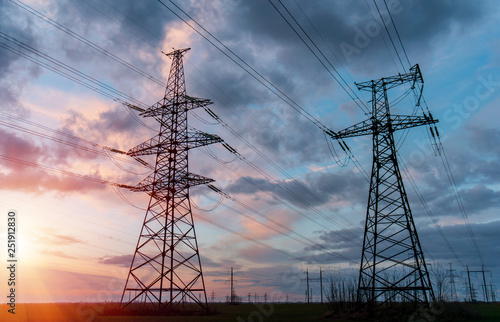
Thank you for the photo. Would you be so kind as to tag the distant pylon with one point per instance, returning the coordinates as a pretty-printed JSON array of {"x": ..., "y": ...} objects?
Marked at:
[
  {"x": 453, "y": 289},
  {"x": 166, "y": 268},
  {"x": 392, "y": 262}
]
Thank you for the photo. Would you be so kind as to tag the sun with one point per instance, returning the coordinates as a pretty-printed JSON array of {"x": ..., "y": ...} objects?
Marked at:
[{"x": 27, "y": 249}]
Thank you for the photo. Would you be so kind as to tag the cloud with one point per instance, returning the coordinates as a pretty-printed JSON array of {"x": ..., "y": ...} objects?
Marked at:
[
  {"x": 58, "y": 254},
  {"x": 321, "y": 188},
  {"x": 120, "y": 260},
  {"x": 335, "y": 246},
  {"x": 473, "y": 171},
  {"x": 138, "y": 31},
  {"x": 22, "y": 177},
  {"x": 60, "y": 239},
  {"x": 255, "y": 30},
  {"x": 485, "y": 234},
  {"x": 132, "y": 31},
  {"x": 114, "y": 127},
  {"x": 208, "y": 262},
  {"x": 258, "y": 254},
  {"x": 16, "y": 147},
  {"x": 14, "y": 70}
]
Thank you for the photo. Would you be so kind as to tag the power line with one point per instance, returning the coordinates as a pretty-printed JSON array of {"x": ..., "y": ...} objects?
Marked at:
[
  {"x": 87, "y": 42},
  {"x": 451, "y": 178},
  {"x": 397, "y": 33},
  {"x": 356, "y": 99},
  {"x": 65, "y": 70},
  {"x": 60, "y": 171},
  {"x": 428, "y": 210},
  {"x": 302, "y": 214},
  {"x": 99, "y": 148},
  {"x": 276, "y": 166},
  {"x": 439, "y": 147},
  {"x": 279, "y": 184},
  {"x": 78, "y": 73},
  {"x": 69, "y": 143},
  {"x": 389, "y": 34},
  {"x": 256, "y": 75},
  {"x": 107, "y": 182}
]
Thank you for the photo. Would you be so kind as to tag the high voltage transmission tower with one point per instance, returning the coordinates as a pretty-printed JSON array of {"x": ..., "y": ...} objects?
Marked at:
[
  {"x": 392, "y": 262},
  {"x": 166, "y": 268}
]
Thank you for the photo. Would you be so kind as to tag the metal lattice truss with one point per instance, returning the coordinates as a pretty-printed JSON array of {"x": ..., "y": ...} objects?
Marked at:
[
  {"x": 392, "y": 263},
  {"x": 166, "y": 269}
]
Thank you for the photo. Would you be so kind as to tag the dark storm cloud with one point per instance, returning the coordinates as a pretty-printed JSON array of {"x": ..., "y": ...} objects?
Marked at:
[
  {"x": 473, "y": 170},
  {"x": 435, "y": 247},
  {"x": 317, "y": 189},
  {"x": 122, "y": 20},
  {"x": 480, "y": 198},
  {"x": 335, "y": 246},
  {"x": 105, "y": 39},
  {"x": 257, "y": 29},
  {"x": 259, "y": 35},
  {"x": 284, "y": 135},
  {"x": 14, "y": 26},
  {"x": 475, "y": 200},
  {"x": 485, "y": 140},
  {"x": 14, "y": 74},
  {"x": 486, "y": 235}
]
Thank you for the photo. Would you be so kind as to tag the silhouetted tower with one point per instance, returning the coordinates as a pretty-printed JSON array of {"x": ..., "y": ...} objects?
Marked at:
[
  {"x": 233, "y": 299},
  {"x": 166, "y": 269},
  {"x": 392, "y": 262},
  {"x": 453, "y": 289}
]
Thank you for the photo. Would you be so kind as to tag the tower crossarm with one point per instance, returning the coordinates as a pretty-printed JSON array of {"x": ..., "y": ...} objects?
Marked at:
[
  {"x": 369, "y": 126},
  {"x": 148, "y": 147},
  {"x": 180, "y": 104},
  {"x": 401, "y": 122},
  {"x": 195, "y": 139},
  {"x": 182, "y": 180},
  {"x": 362, "y": 128},
  {"x": 199, "y": 138},
  {"x": 192, "y": 179},
  {"x": 413, "y": 77}
]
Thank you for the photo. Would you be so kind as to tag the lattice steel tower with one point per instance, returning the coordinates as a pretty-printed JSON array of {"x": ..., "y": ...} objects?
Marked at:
[
  {"x": 392, "y": 262},
  {"x": 166, "y": 268}
]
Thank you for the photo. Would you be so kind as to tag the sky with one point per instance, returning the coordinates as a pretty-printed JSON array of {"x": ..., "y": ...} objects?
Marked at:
[{"x": 67, "y": 66}]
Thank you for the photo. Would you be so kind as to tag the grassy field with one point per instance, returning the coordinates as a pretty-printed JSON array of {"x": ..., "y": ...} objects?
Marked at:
[{"x": 243, "y": 312}]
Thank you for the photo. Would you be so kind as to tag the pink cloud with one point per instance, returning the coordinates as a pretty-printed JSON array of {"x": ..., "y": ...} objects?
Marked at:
[
  {"x": 19, "y": 148},
  {"x": 59, "y": 239},
  {"x": 27, "y": 179},
  {"x": 30, "y": 178}
]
